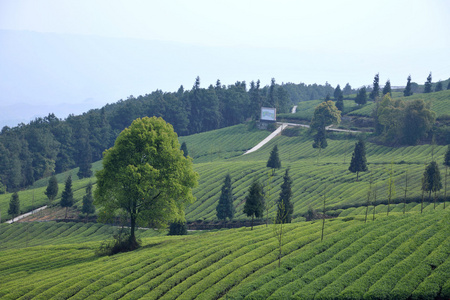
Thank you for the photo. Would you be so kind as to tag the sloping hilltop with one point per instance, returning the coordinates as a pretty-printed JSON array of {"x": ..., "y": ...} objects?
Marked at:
[{"x": 396, "y": 257}]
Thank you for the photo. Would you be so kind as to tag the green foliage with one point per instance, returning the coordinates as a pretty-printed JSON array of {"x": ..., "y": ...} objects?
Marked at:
[
  {"x": 225, "y": 208},
  {"x": 325, "y": 114},
  {"x": 146, "y": 175},
  {"x": 361, "y": 96},
  {"x": 337, "y": 92},
  {"x": 88, "y": 201},
  {"x": 320, "y": 139},
  {"x": 67, "y": 195},
  {"x": 431, "y": 178},
  {"x": 178, "y": 228},
  {"x": 184, "y": 149},
  {"x": 14, "y": 205},
  {"x": 285, "y": 209},
  {"x": 408, "y": 90},
  {"x": 254, "y": 202},
  {"x": 2, "y": 188},
  {"x": 428, "y": 85},
  {"x": 358, "y": 162},
  {"x": 447, "y": 157},
  {"x": 52, "y": 189},
  {"x": 375, "y": 93},
  {"x": 274, "y": 160},
  {"x": 387, "y": 88},
  {"x": 438, "y": 87}
]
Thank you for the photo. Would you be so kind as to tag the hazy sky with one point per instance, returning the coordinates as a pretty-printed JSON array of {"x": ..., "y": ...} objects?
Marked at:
[{"x": 311, "y": 41}]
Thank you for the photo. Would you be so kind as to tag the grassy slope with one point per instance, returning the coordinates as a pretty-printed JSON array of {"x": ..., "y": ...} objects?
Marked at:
[
  {"x": 394, "y": 257},
  {"x": 440, "y": 104}
]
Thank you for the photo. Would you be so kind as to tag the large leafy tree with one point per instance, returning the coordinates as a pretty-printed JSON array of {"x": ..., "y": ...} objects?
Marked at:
[
  {"x": 14, "y": 205},
  {"x": 254, "y": 202},
  {"x": 408, "y": 89},
  {"x": 376, "y": 87},
  {"x": 67, "y": 195},
  {"x": 417, "y": 121},
  {"x": 285, "y": 208},
  {"x": 52, "y": 189},
  {"x": 428, "y": 85},
  {"x": 225, "y": 207},
  {"x": 325, "y": 114},
  {"x": 358, "y": 162},
  {"x": 146, "y": 175}
]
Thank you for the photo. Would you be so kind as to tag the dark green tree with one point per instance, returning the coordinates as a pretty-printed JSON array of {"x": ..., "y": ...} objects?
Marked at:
[
  {"x": 446, "y": 164},
  {"x": 358, "y": 162},
  {"x": 274, "y": 160},
  {"x": 417, "y": 119},
  {"x": 184, "y": 149},
  {"x": 438, "y": 87},
  {"x": 428, "y": 85},
  {"x": 431, "y": 181},
  {"x": 2, "y": 188},
  {"x": 387, "y": 87},
  {"x": 85, "y": 162},
  {"x": 327, "y": 97},
  {"x": 337, "y": 92},
  {"x": 408, "y": 89},
  {"x": 375, "y": 93},
  {"x": 285, "y": 207},
  {"x": 67, "y": 195},
  {"x": 340, "y": 103},
  {"x": 225, "y": 208},
  {"x": 14, "y": 205},
  {"x": 254, "y": 202},
  {"x": 347, "y": 89},
  {"x": 361, "y": 96},
  {"x": 52, "y": 189},
  {"x": 178, "y": 228},
  {"x": 320, "y": 139},
  {"x": 448, "y": 86},
  {"x": 88, "y": 201},
  {"x": 325, "y": 114}
]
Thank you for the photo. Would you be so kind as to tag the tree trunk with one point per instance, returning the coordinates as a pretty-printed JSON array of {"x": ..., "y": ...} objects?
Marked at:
[
  {"x": 65, "y": 217},
  {"x": 357, "y": 176},
  {"x": 132, "y": 231},
  {"x": 252, "y": 221}
]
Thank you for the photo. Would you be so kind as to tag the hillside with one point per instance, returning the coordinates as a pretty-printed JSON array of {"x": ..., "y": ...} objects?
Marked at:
[{"x": 396, "y": 257}]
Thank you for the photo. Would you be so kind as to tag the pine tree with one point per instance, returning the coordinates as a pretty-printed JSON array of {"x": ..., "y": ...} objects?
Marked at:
[
  {"x": 408, "y": 92},
  {"x": 358, "y": 163},
  {"x": 387, "y": 87},
  {"x": 88, "y": 201},
  {"x": 285, "y": 207},
  {"x": 85, "y": 162},
  {"x": 254, "y": 202},
  {"x": 446, "y": 164},
  {"x": 225, "y": 207},
  {"x": 320, "y": 139},
  {"x": 361, "y": 96},
  {"x": 376, "y": 87},
  {"x": 427, "y": 88},
  {"x": 431, "y": 181},
  {"x": 274, "y": 160},
  {"x": 14, "y": 205},
  {"x": 67, "y": 195},
  {"x": 337, "y": 92},
  {"x": 438, "y": 87},
  {"x": 184, "y": 149},
  {"x": 340, "y": 102},
  {"x": 347, "y": 89},
  {"x": 52, "y": 189}
]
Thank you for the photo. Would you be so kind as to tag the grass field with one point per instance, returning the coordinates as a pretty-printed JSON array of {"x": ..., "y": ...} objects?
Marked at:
[{"x": 395, "y": 257}]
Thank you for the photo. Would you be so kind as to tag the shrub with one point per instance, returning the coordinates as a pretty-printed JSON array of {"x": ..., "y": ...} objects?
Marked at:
[
  {"x": 121, "y": 243},
  {"x": 177, "y": 228}
]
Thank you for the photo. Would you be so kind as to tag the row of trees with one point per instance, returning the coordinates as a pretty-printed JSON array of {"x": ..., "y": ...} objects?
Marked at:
[{"x": 50, "y": 145}]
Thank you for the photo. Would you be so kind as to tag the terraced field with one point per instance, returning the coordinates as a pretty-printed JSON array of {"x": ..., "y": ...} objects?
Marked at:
[{"x": 396, "y": 257}]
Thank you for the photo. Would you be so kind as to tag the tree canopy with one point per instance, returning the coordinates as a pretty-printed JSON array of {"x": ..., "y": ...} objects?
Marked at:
[
  {"x": 146, "y": 175},
  {"x": 67, "y": 195},
  {"x": 408, "y": 89},
  {"x": 52, "y": 189},
  {"x": 285, "y": 208},
  {"x": 88, "y": 201},
  {"x": 387, "y": 87},
  {"x": 274, "y": 160},
  {"x": 14, "y": 205},
  {"x": 254, "y": 201},
  {"x": 358, "y": 162},
  {"x": 428, "y": 84},
  {"x": 376, "y": 87},
  {"x": 325, "y": 114},
  {"x": 361, "y": 96}
]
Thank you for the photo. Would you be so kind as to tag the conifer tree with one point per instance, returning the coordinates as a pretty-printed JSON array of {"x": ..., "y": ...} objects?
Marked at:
[
  {"x": 88, "y": 201},
  {"x": 446, "y": 164},
  {"x": 52, "y": 189},
  {"x": 376, "y": 87},
  {"x": 408, "y": 92},
  {"x": 337, "y": 92},
  {"x": 320, "y": 139},
  {"x": 427, "y": 88},
  {"x": 14, "y": 205},
  {"x": 431, "y": 181},
  {"x": 340, "y": 103},
  {"x": 184, "y": 149},
  {"x": 347, "y": 89},
  {"x": 358, "y": 162},
  {"x": 225, "y": 207},
  {"x": 438, "y": 87},
  {"x": 361, "y": 96},
  {"x": 285, "y": 207},
  {"x": 254, "y": 202},
  {"x": 67, "y": 195},
  {"x": 85, "y": 162},
  {"x": 387, "y": 87},
  {"x": 274, "y": 160}
]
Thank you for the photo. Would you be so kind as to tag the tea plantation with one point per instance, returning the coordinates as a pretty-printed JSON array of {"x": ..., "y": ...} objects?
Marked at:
[{"x": 396, "y": 257}]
